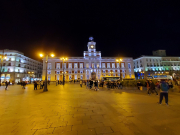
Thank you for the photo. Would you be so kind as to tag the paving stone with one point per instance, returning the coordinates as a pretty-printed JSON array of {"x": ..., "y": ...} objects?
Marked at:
[
  {"x": 102, "y": 130},
  {"x": 64, "y": 109}
]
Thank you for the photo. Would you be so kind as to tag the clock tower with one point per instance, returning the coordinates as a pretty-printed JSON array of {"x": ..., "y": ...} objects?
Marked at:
[
  {"x": 92, "y": 49},
  {"x": 91, "y": 45}
]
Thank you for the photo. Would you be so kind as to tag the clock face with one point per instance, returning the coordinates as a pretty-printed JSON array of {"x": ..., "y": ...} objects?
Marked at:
[{"x": 92, "y": 46}]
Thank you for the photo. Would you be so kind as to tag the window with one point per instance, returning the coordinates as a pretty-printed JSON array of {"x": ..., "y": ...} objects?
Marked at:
[
  {"x": 123, "y": 71},
  {"x": 98, "y": 65},
  {"x": 113, "y": 65},
  {"x": 129, "y": 70},
  {"x": 103, "y": 65},
  {"x": 123, "y": 75},
  {"x": 75, "y": 65},
  {"x": 93, "y": 65},
  {"x": 108, "y": 65},
  {"x": 49, "y": 65},
  {"x": 129, "y": 65},
  {"x": 130, "y": 75},
  {"x": 81, "y": 77},
  {"x": 69, "y": 72},
  {"x": 49, "y": 72},
  {"x": 81, "y": 65},
  {"x": 17, "y": 75},
  {"x": 70, "y": 65},
  {"x": 75, "y": 72},
  {"x": 87, "y": 65},
  {"x": 58, "y": 72},
  {"x": 81, "y": 72},
  {"x": 117, "y": 65},
  {"x": 122, "y": 65},
  {"x": 58, "y": 65},
  {"x": 64, "y": 65},
  {"x": 104, "y": 71},
  {"x": 75, "y": 77}
]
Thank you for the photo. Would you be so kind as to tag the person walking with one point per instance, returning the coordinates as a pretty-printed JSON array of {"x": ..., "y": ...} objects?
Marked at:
[
  {"x": 147, "y": 85},
  {"x": 35, "y": 85},
  {"x": 23, "y": 84},
  {"x": 120, "y": 84},
  {"x": 152, "y": 88},
  {"x": 81, "y": 83},
  {"x": 6, "y": 83},
  {"x": 163, "y": 92}
]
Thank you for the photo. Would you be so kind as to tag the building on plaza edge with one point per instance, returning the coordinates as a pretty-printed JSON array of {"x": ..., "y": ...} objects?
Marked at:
[
  {"x": 17, "y": 67},
  {"x": 81, "y": 67},
  {"x": 158, "y": 64}
]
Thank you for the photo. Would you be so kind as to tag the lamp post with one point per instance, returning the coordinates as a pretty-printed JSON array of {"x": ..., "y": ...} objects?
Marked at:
[
  {"x": 119, "y": 60},
  {"x": 45, "y": 84},
  {"x": 63, "y": 59},
  {"x": 2, "y": 57}
]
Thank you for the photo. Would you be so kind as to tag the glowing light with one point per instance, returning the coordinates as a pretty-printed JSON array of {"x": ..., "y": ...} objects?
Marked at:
[
  {"x": 41, "y": 55},
  {"x": 52, "y": 55}
]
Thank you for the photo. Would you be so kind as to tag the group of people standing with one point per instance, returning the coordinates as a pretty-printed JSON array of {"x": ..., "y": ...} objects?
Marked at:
[{"x": 163, "y": 86}]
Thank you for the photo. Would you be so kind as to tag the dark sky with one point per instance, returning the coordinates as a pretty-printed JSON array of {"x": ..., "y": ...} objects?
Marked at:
[{"x": 120, "y": 28}]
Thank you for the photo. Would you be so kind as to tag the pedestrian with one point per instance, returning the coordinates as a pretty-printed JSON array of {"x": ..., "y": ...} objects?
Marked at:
[
  {"x": 147, "y": 85},
  {"x": 6, "y": 83},
  {"x": 35, "y": 85},
  {"x": 139, "y": 85},
  {"x": 41, "y": 84},
  {"x": 170, "y": 84},
  {"x": 163, "y": 92},
  {"x": 120, "y": 84},
  {"x": 91, "y": 84},
  {"x": 80, "y": 83},
  {"x": 56, "y": 82},
  {"x": 87, "y": 84},
  {"x": 95, "y": 85},
  {"x": 152, "y": 88},
  {"x": 74, "y": 81},
  {"x": 23, "y": 84}
]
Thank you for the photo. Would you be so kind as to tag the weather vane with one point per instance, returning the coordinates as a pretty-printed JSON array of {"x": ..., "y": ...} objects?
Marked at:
[{"x": 91, "y": 38}]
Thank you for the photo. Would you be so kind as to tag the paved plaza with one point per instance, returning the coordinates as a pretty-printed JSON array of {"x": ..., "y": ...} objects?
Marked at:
[{"x": 72, "y": 110}]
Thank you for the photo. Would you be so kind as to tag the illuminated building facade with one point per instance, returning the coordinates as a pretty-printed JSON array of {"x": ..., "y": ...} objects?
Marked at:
[
  {"x": 17, "y": 67},
  {"x": 81, "y": 67},
  {"x": 158, "y": 64}
]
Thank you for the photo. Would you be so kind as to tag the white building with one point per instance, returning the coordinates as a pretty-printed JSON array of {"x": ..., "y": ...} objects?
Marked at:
[
  {"x": 17, "y": 67},
  {"x": 82, "y": 67},
  {"x": 156, "y": 65}
]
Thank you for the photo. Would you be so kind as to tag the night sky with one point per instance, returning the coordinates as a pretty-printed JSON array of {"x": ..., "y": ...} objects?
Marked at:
[{"x": 120, "y": 28}]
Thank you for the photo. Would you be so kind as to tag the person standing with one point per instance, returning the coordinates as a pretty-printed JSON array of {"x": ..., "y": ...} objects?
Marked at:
[
  {"x": 6, "y": 83},
  {"x": 56, "y": 82},
  {"x": 139, "y": 85},
  {"x": 163, "y": 92},
  {"x": 23, "y": 84},
  {"x": 95, "y": 85},
  {"x": 81, "y": 83},
  {"x": 152, "y": 88},
  {"x": 42, "y": 84},
  {"x": 35, "y": 85}
]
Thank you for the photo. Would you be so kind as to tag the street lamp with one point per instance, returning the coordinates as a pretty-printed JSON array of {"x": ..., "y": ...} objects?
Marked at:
[
  {"x": 41, "y": 55},
  {"x": 119, "y": 60},
  {"x": 2, "y": 57},
  {"x": 63, "y": 59}
]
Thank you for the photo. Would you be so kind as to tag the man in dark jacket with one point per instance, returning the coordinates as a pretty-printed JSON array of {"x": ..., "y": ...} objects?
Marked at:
[
  {"x": 139, "y": 85},
  {"x": 152, "y": 88},
  {"x": 163, "y": 91}
]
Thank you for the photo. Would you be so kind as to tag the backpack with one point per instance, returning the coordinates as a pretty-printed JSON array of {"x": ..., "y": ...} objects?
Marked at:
[{"x": 164, "y": 87}]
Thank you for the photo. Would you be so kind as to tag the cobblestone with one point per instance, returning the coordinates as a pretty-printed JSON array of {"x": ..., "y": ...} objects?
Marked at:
[{"x": 71, "y": 110}]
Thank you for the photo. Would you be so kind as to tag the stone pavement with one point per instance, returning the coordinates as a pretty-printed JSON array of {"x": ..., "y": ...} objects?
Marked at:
[{"x": 71, "y": 110}]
